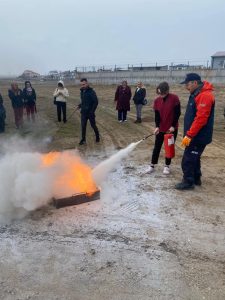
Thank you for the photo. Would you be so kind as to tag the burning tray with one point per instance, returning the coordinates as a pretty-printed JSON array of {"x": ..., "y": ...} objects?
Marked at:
[{"x": 76, "y": 199}]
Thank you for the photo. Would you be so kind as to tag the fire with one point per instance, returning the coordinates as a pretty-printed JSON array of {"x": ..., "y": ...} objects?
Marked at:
[{"x": 73, "y": 176}]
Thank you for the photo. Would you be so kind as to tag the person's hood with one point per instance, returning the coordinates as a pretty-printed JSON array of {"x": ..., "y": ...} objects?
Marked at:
[
  {"x": 207, "y": 86},
  {"x": 60, "y": 81}
]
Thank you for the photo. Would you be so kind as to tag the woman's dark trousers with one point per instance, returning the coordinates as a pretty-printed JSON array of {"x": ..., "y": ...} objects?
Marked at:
[
  {"x": 61, "y": 109},
  {"x": 122, "y": 115},
  {"x": 159, "y": 139}
]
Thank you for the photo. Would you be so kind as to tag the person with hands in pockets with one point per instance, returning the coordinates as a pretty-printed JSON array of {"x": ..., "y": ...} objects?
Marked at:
[
  {"x": 198, "y": 129},
  {"x": 167, "y": 112}
]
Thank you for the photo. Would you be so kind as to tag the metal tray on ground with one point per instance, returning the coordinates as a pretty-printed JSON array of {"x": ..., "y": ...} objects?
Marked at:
[{"x": 76, "y": 199}]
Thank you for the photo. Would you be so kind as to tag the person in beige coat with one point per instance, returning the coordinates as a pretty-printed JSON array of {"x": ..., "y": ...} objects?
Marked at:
[{"x": 60, "y": 97}]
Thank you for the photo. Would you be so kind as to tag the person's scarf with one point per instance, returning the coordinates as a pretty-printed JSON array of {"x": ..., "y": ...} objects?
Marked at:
[{"x": 29, "y": 91}]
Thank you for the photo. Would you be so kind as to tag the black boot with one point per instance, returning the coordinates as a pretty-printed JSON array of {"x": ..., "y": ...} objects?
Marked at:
[
  {"x": 82, "y": 142},
  {"x": 198, "y": 181},
  {"x": 138, "y": 120},
  {"x": 184, "y": 185}
]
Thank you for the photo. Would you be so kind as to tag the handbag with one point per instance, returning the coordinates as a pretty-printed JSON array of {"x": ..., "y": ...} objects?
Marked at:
[
  {"x": 54, "y": 101},
  {"x": 144, "y": 101}
]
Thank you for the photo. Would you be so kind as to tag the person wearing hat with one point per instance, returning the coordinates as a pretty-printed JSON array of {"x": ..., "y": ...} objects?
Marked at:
[{"x": 198, "y": 129}]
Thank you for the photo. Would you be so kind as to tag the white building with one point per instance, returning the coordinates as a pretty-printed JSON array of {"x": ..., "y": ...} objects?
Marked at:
[{"x": 218, "y": 60}]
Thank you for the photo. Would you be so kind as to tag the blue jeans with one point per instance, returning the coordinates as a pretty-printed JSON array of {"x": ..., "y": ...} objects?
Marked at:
[{"x": 138, "y": 110}]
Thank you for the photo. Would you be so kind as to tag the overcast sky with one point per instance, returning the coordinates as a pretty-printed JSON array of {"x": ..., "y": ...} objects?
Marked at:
[{"x": 44, "y": 35}]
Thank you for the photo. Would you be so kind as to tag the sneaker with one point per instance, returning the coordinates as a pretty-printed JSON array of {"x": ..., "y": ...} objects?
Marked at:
[
  {"x": 184, "y": 185},
  {"x": 82, "y": 142},
  {"x": 120, "y": 121},
  {"x": 166, "y": 170},
  {"x": 125, "y": 120},
  {"x": 151, "y": 170}
]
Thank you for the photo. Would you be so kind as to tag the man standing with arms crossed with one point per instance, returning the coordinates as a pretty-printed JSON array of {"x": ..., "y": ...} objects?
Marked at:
[
  {"x": 198, "y": 129},
  {"x": 88, "y": 105}
]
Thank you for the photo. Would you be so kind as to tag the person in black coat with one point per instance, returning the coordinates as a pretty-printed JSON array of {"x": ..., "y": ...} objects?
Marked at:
[
  {"x": 2, "y": 115},
  {"x": 29, "y": 97},
  {"x": 138, "y": 98},
  {"x": 224, "y": 113},
  {"x": 16, "y": 96},
  {"x": 88, "y": 105}
]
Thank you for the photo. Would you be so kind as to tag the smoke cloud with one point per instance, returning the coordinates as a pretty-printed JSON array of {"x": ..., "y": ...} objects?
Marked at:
[{"x": 29, "y": 180}]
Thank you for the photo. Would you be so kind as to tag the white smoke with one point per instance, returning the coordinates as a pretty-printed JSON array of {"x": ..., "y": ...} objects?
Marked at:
[
  {"x": 100, "y": 172},
  {"x": 23, "y": 186},
  {"x": 26, "y": 185}
]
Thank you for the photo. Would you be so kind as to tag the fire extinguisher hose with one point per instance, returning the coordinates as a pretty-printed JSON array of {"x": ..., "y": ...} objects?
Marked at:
[{"x": 146, "y": 137}]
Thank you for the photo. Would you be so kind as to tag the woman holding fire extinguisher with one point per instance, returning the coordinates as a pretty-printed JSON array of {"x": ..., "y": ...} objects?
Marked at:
[{"x": 167, "y": 113}]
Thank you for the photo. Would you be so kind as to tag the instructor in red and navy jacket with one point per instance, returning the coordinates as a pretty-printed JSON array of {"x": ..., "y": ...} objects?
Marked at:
[{"x": 198, "y": 129}]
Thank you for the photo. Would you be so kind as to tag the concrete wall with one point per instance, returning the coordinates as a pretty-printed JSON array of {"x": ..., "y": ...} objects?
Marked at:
[{"x": 150, "y": 77}]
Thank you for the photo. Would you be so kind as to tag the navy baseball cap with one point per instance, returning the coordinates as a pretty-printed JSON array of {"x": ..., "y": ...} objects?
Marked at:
[{"x": 191, "y": 77}]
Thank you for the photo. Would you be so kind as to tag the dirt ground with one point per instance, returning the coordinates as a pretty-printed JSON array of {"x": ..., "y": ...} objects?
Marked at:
[{"x": 142, "y": 239}]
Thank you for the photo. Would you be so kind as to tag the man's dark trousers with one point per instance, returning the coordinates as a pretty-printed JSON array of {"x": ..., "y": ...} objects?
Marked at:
[
  {"x": 191, "y": 162},
  {"x": 84, "y": 119}
]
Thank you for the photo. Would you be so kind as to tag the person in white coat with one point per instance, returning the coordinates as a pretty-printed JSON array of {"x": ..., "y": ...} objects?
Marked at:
[{"x": 60, "y": 97}]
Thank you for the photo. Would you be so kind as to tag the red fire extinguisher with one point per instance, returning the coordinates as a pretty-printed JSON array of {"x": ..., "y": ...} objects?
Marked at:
[{"x": 169, "y": 145}]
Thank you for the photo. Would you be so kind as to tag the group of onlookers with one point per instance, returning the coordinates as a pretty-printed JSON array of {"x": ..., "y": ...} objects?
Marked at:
[
  {"x": 123, "y": 96},
  {"x": 20, "y": 100}
]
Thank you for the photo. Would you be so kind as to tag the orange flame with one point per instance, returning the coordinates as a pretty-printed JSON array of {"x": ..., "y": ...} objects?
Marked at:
[{"x": 73, "y": 176}]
